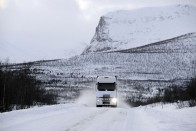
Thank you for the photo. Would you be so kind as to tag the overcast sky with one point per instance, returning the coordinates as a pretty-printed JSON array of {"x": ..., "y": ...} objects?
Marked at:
[{"x": 52, "y": 29}]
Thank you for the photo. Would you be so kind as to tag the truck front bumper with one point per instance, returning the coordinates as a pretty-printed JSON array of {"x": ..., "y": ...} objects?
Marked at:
[{"x": 106, "y": 101}]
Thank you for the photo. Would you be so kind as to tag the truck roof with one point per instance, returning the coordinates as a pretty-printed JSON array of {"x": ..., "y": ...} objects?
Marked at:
[{"x": 106, "y": 79}]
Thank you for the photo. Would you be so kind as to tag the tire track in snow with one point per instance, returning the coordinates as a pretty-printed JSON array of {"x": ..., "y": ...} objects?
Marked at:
[
  {"x": 86, "y": 120},
  {"x": 110, "y": 119}
]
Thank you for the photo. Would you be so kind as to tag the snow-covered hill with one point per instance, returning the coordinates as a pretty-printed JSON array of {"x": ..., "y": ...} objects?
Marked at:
[
  {"x": 165, "y": 60},
  {"x": 145, "y": 68},
  {"x": 128, "y": 29}
]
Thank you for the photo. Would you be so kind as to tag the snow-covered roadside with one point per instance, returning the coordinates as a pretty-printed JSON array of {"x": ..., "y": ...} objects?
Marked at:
[
  {"x": 162, "y": 118},
  {"x": 67, "y": 117},
  {"x": 57, "y": 117}
]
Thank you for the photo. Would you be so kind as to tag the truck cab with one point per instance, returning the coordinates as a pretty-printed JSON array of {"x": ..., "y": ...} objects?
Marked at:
[{"x": 106, "y": 91}]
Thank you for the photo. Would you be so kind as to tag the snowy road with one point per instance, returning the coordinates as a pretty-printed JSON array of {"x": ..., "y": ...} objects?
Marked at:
[{"x": 75, "y": 117}]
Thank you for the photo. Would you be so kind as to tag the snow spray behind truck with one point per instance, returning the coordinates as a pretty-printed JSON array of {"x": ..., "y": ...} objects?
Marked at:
[{"x": 106, "y": 91}]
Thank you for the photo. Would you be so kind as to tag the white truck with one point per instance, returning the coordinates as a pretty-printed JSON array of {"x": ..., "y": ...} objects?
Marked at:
[{"x": 106, "y": 91}]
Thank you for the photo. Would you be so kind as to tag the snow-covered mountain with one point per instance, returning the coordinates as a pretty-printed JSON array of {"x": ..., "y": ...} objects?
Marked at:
[
  {"x": 128, "y": 29},
  {"x": 167, "y": 54}
]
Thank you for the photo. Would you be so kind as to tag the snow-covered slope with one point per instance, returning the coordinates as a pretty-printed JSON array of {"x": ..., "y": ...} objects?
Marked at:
[
  {"x": 180, "y": 44},
  {"x": 165, "y": 60},
  {"x": 128, "y": 29}
]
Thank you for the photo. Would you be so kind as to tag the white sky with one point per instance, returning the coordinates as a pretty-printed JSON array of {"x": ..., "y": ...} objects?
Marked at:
[{"x": 52, "y": 29}]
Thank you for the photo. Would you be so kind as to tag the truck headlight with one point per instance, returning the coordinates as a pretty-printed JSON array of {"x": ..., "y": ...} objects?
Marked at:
[{"x": 114, "y": 100}]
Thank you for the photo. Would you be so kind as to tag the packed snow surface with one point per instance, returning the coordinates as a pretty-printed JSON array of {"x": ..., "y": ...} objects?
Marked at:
[{"x": 80, "y": 117}]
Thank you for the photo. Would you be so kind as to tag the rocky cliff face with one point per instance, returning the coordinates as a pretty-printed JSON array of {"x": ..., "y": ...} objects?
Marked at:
[{"x": 127, "y": 29}]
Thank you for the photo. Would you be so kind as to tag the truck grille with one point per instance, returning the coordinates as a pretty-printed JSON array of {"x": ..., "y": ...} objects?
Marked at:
[{"x": 106, "y": 99}]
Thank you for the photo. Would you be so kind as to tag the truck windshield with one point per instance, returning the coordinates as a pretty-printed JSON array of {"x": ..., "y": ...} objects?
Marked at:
[{"x": 106, "y": 86}]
